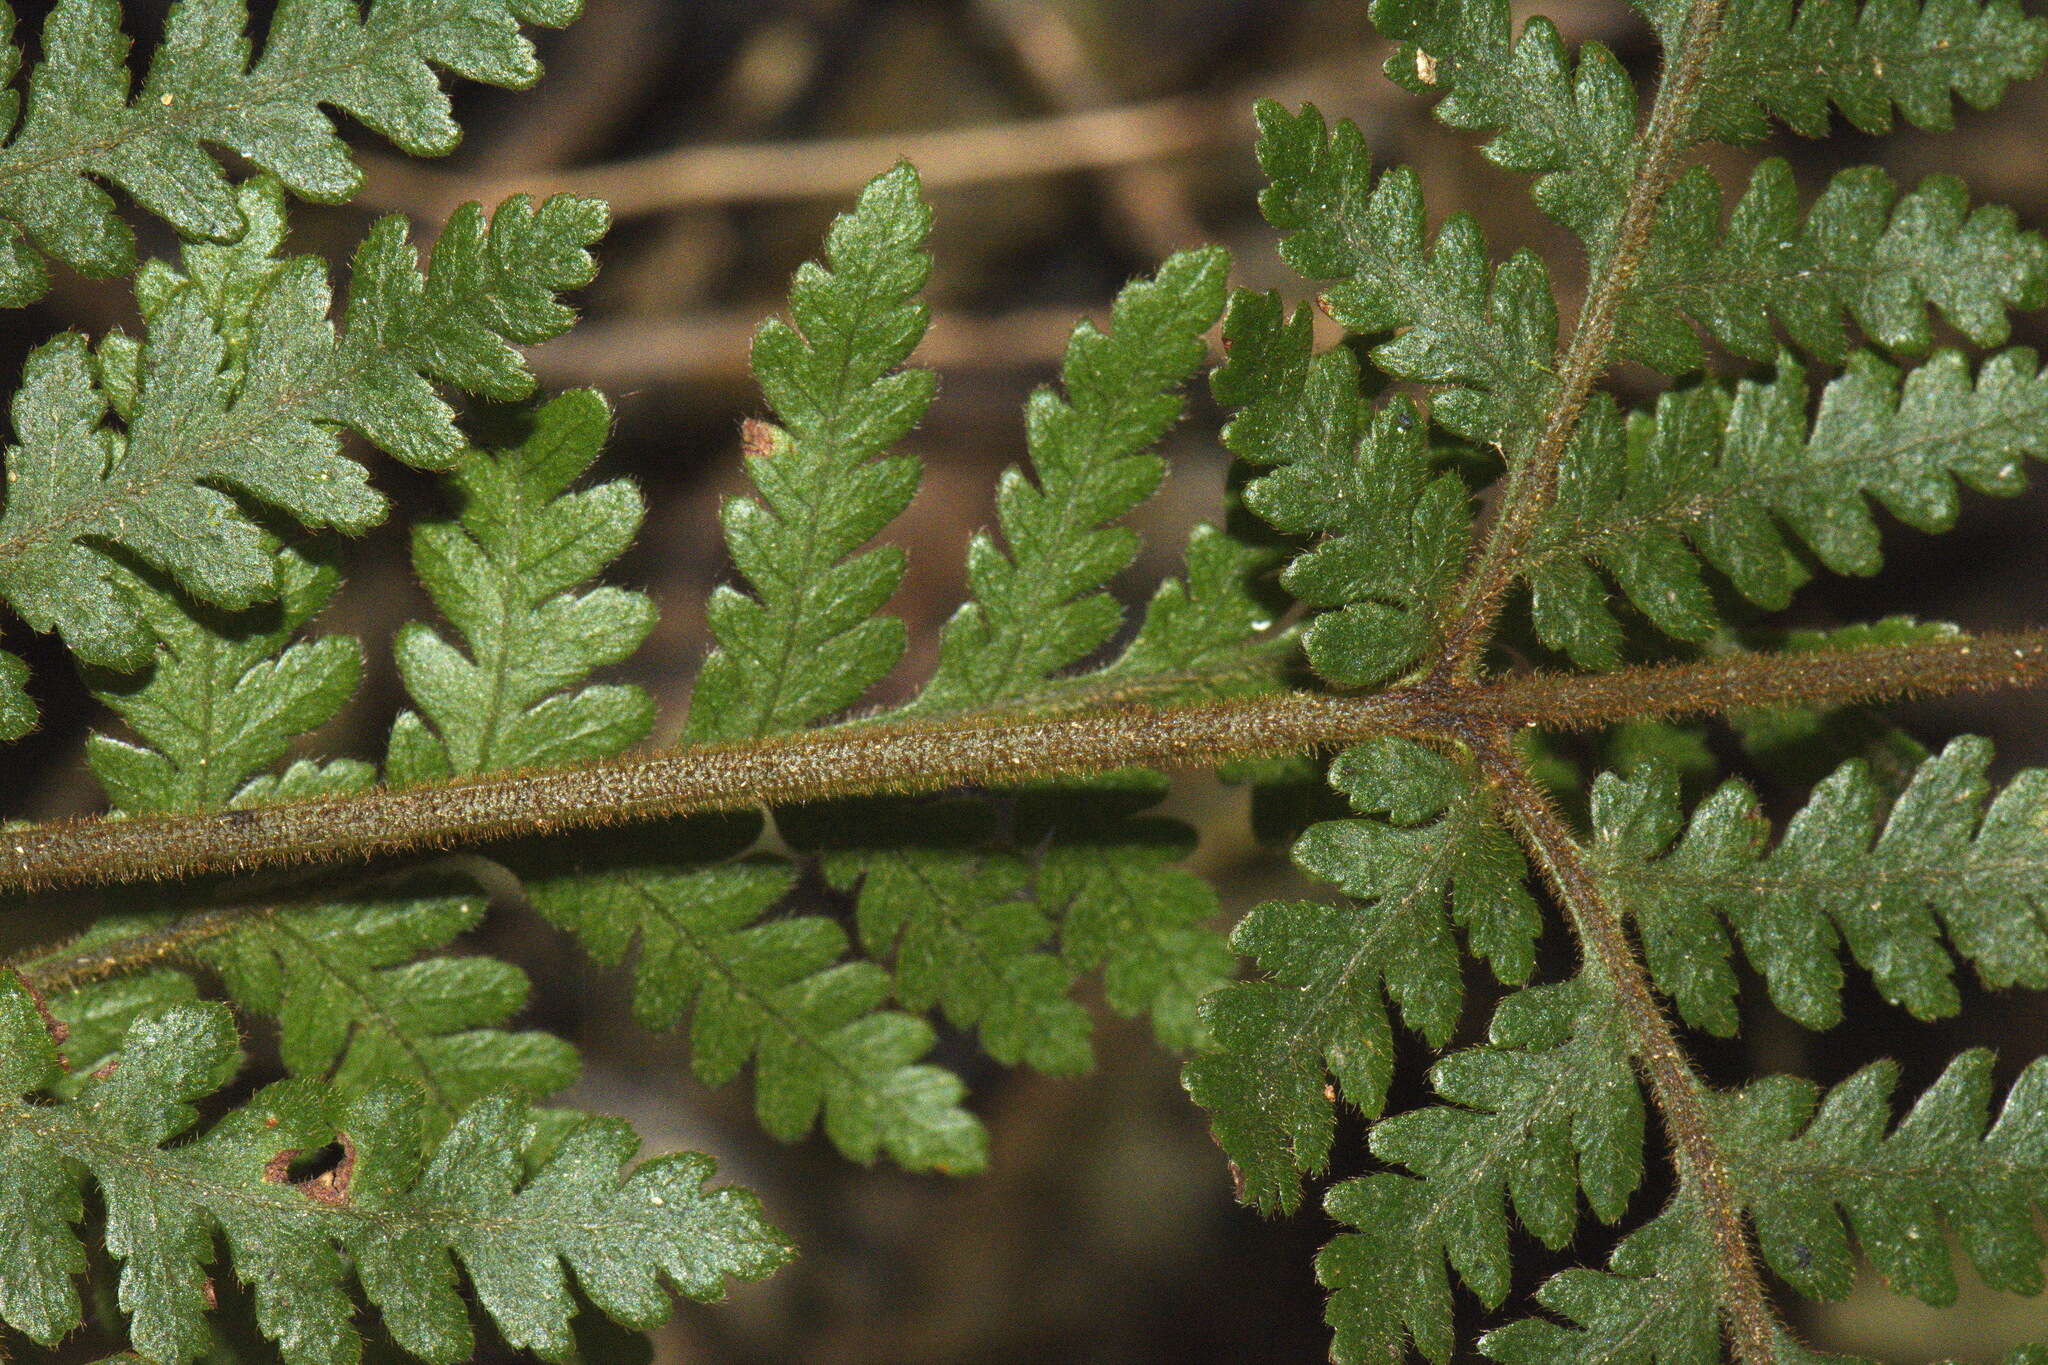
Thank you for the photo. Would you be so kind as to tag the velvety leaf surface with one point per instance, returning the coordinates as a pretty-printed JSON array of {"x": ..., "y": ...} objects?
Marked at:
[
  {"x": 774, "y": 991},
  {"x": 1873, "y": 61},
  {"x": 510, "y": 570},
  {"x": 1036, "y": 604},
  {"x": 1571, "y": 122},
  {"x": 1482, "y": 337},
  {"x": 1827, "y": 1176},
  {"x": 1863, "y": 250},
  {"x": 1386, "y": 532}
]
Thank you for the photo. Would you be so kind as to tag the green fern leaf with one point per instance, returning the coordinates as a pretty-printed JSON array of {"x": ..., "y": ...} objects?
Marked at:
[
  {"x": 1111, "y": 877},
  {"x": 84, "y": 119},
  {"x": 93, "y": 1019},
  {"x": 1941, "y": 863},
  {"x": 1549, "y": 1107},
  {"x": 968, "y": 917},
  {"x": 1429, "y": 845},
  {"x": 1038, "y": 608},
  {"x": 956, "y": 915},
  {"x": 1202, "y": 630},
  {"x": 1654, "y": 1305},
  {"x": 355, "y": 1009},
  {"x": 1486, "y": 335},
  {"x": 261, "y": 423},
  {"x": 1572, "y": 124},
  {"x": 1863, "y": 250},
  {"x": 808, "y": 644},
  {"x": 504, "y": 571},
  {"x": 774, "y": 991},
  {"x": 228, "y": 694},
  {"x": 400, "y": 1216},
  {"x": 969, "y": 925},
  {"x": 1390, "y": 532},
  {"x": 1104, "y": 874},
  {"x": 1793, "y": 62},
  {"x": 1806, "y": 1166},
  {"x": 1712, "y": 478}
]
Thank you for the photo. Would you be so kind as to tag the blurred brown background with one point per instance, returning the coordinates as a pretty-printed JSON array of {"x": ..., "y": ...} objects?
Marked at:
[{"x": 1067, "y": 145}]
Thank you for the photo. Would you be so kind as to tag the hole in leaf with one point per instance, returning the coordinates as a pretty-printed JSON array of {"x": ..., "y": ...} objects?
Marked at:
[{"x": 322, "y": 1175}]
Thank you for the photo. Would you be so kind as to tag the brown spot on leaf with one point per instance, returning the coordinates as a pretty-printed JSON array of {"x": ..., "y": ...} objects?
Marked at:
[
  {"x": 106, "y": 1070},
  {"x": 206, "y": 1288},
  {"x": 757, "y": 438}
]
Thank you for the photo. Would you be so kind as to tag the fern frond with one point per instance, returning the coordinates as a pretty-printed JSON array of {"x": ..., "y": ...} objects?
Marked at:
[
  {"x": 1812, "y": 1170},
  {"x": 968, "y": 898},
  {"x": 1486, "y": 335},
  {"x": 1863, "y": 250},
  {"x": 1550, "y": 1107},
  {"x": 261, "y": 421},
  {"x": 1653, "y": 1305},
  {"x": 808, "y": 644},
  {"x": 1204, "y": 627},
  {"x": 1038, "y": 608},
  {"x": 1941, "y": 864},
  {"x": 398, "y": 1215},
  {"x": 1390, "y": 533},
  {"x": 507, "y": 574},
  {"x": 228, "y": 694},
  {"x": 1105, "y": 875},
  {"x": 772, "y": 991},
  {"x": 356, "y": 1010},
  {"x": 1801, "y": 1163},
  {"x": 954, "y": 911},
  {"x": 1112, "y": 876},
  {"x": 1725, "y": 479},
  {"x": 505, "y": 571},
  {"x": 1794, "y": 61},
  {"x": 226, "y": 697},
  {"x": 1570, "y": 123},
  {"x": 84, "y": 120},
  {"x": 1429, "y": 846}
]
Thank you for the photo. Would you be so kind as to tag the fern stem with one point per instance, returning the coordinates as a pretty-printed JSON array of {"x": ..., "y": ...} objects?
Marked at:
[
  {"x": 1533, "y": 484},
  {"x": 1751, "y": 1325},
  {"x": 64, "y": 968},
  {"x": 997, "y": 747}
]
